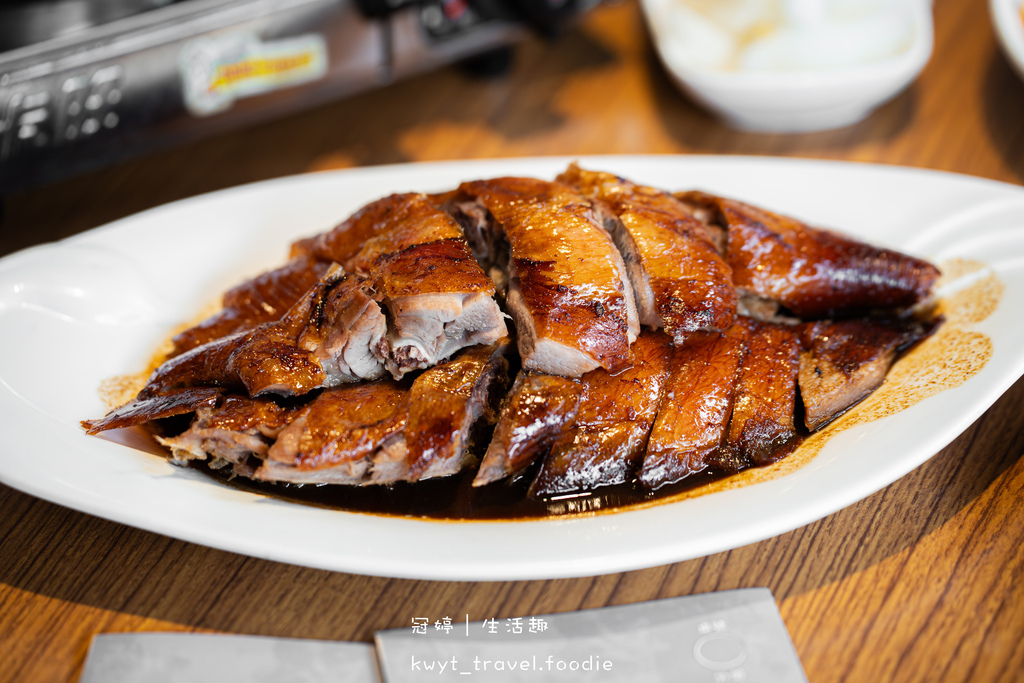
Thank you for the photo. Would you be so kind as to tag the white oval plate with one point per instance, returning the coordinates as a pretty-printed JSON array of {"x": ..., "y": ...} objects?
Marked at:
[{"x": 98, "y": 304}]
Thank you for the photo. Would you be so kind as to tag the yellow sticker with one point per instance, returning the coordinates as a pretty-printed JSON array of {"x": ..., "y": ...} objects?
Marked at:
[{"x": 216, "y": 71}]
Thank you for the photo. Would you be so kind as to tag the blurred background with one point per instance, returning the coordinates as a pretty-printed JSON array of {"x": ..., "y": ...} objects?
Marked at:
[{"x": 110, "y": 107}]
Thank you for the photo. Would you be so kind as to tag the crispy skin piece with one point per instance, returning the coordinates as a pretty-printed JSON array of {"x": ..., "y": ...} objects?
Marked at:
[
  {"x": 538, "y": 408},
  {"x": 338, "y": 432},
  {"x": 814, "y": 273},
  {"x": 424, "y": 273},
  {"x": 569, "y": 294},
  {"x": 696, "y": 407},
  {"x": 440, "y": 301},
  {"x": 309, "y": 348},
  {"x": 207, "y": 365},
  {"x": 489, "y": 244},
  {"x": 142, "y": 410},
  {"x": 230, "y": 432},
  {"x": 845, "y": 361},
  {"x": 346, "y": 240},
  {"x": 762, "y": 426},
  {"x": 421, "y": 268},
  {"x": 445, "y": 402},
  {"x": 604, "y": 443},
  {"x": 413, "y": 220},
  {"x": 264, "y": 298},
  {"x": 439, "y": 267},
  {"x": 680, "y": 281},
  {"x": 387, "y": 431}
]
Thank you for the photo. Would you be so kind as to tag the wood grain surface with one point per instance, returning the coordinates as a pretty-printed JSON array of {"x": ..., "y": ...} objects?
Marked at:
[{"x": 922, "y": 581}]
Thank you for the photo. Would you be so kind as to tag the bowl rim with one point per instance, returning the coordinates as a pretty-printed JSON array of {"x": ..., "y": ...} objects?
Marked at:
[
  {"x": 1009, "y": 27},
  {"x": 898, "y": 67}
]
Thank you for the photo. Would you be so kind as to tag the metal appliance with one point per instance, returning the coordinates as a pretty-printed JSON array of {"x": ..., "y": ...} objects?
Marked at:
[{"x": 84, "y": 83}]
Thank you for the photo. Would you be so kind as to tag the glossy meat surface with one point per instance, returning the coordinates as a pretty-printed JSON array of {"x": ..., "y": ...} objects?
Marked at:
[
  {"x": 697, "y": 404},
  {"x": 334, "y": 334},
  {"x": 445, "y": 402},
  {"x": 422, "y": 270},
  {"x": 262, "y": 299},
  {"x": 146, "y": 409},
  {"x": 413, "y": 220},
  {"x": 762, "y": 425},
  {"x": 814, "y": 273},
  {"x": 287, "y": 385},
  {"x": 844, "y": 361},
  {"x": 387, "y": 431},
  {"x": 339, "y": 432},
  {"x": 680, "y": 281},
  {"x": 603, "y": 444},
  {"x": 569, "y": 293},
  {"x": 538, "y": 408},
  {"x": 345, "y": 241}
]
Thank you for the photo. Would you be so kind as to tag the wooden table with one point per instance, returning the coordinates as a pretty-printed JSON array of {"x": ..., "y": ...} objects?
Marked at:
[{"x": 921, "y": 581}]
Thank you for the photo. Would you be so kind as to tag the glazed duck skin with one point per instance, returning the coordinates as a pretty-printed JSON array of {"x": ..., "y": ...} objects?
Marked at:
[
  {"x": 262, "y": 299},
  {"x": 762, "y": 426},
  {"x": 697, "y": 404},
  {"x": 440, "y": 301},
  {"x": 386, "y": 431},
  {"x": 680, "y": 281},
  {"x": 348, "y": 238},
  {"x": 445, "y": 402},
  {"x": 379, "y": 354},
  {"x": 568, "y": 294},
  {"x": 334, "y": 334},
  {"x": 334, "y": 438},
  {"x": 603, "y": 444},
  {"x": 142, "y": 410},
  {"x": 538, "y": 408},
  {"x": 438, "y": 297},
  {"x": 845, "y": 361},
  {"x": 813, "y": 273}
]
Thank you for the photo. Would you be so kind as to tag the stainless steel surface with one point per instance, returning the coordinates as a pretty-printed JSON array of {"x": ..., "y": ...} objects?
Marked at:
[
  {"x": 106, "y": 87},
  {"x": 29, "y": 22}
]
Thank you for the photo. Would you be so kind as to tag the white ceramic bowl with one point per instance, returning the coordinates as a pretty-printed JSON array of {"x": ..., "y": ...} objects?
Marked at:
[
  {"x": 1006, "y": 16},
  {"x": 799, "y": 102}
]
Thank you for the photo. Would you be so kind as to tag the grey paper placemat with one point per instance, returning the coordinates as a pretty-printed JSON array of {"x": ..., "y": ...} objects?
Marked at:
[
  {"x": 725, "y": 637},
  {"x": 208, "y": 658}
]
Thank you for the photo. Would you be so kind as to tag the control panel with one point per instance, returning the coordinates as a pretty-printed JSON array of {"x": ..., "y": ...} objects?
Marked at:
[{"x": 48, "y": 112}]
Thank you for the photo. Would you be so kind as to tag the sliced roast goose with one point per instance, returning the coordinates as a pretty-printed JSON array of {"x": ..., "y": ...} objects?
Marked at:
[
  {"x": 603, "y": 444},
  {"x": 814, "y": 273},
  {"x": 680, "y": 281},
  {"x": 568, "y": 290}
]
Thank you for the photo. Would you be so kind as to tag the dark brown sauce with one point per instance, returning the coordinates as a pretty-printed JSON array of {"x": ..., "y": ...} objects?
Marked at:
[{"x": 454, "y": 498}]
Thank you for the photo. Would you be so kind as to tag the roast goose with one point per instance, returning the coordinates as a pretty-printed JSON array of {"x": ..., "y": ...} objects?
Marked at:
[{"x": 653, "y": 336}]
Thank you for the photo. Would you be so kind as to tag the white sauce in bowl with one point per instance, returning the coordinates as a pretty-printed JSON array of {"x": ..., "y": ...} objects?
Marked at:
[{"x": 781, "y": 36}]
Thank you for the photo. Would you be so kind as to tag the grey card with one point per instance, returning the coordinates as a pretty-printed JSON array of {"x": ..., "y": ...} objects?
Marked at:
[
  {"x": 724, "y": 637},
  {"x": 210, "y": 658}
]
